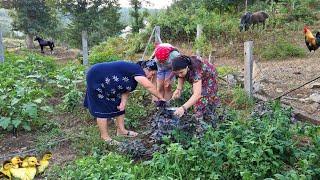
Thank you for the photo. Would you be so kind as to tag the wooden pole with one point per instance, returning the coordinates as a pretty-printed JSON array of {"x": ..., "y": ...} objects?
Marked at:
[
  {"x": 157, "y": 38},
  {"x": 248, "y": 67},
  {"x": 145, "y": 49},
  {"x": 199, "y": 32},
  {"x": 246, "y": 6},
  {"x": 85, "y": 47},
  {"x": 1, "y": 49}
]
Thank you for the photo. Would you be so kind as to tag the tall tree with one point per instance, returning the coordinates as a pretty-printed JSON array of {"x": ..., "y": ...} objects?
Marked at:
[
  {"x": 136, "y": 15},
  {"x": 99, "y": 18},
  {"x": 32, "y": 17}
]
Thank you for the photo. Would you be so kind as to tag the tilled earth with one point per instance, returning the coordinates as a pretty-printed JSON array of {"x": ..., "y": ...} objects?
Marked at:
[{"x": 279, "y": 76}]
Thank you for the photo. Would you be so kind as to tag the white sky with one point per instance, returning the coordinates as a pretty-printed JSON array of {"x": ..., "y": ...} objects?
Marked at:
[{"x": 154, "y": 4}]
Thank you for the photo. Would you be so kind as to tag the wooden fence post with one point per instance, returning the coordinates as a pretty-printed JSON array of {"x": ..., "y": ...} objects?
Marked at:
[
  {"x": 157, "y": 38},
  {"x": 248, "y": 67},
  {"x": 246, "y": 4},
  {"x": 85, "y": 47},
  {"x": 1, "y": 49},
  {"x": 199, "y": 32}
]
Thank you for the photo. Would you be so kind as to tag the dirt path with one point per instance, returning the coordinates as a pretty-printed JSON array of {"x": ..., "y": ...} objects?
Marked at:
[{"x": 279, "y": 77}]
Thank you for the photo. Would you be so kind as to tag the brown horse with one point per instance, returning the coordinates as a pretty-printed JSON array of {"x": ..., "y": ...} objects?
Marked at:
[{"x": 254, "y": 19}]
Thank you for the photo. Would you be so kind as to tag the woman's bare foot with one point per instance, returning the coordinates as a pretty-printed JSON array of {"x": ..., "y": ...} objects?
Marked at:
[{"x": 127, "y": 133}]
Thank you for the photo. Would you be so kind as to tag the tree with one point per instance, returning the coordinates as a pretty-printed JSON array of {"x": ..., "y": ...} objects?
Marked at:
[
  {"x": 137, "y": 16},
  {"x": 99, "y": 18},
  {"x": 32, "y": 17}
]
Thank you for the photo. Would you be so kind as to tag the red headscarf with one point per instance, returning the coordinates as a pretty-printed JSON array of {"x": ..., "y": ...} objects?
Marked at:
[{"x": 163, "y": 51}]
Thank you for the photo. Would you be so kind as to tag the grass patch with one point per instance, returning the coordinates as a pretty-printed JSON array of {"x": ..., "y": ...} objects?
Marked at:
[
  {"x": 225, "y": 70},
  {"x": 282, "y": 50}
]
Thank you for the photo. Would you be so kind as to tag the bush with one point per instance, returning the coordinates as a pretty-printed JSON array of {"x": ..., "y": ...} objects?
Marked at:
[
  {"x": 118, "y": 48},
  {"x": 107, "y": 51},
  {"x": 69, "y": 79},
  {"x": 282, "y": 50}
]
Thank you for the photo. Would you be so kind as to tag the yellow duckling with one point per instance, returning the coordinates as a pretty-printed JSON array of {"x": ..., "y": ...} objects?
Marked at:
[
  {"x": 5, "y": 169},
  {"x": 16, "y": 161},
  {"x": 25, "y": 162},
  {"x": 44, "y": 162},
  {"x": 26, "y": 173}
]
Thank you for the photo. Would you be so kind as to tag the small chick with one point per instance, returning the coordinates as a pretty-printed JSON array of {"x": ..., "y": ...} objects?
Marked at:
[
  {"x": 25, "y": 162},
  {"x": 32, "y": 169},
  {"x": 5, "y": 169},
  {"x": 26, "y": 173},
  {"x": 16, "y": 161},
  {"x": 44, "y": 162}
]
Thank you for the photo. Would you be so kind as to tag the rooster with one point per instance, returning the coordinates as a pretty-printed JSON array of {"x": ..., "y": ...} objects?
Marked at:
[{"x": 312, "y": 42}]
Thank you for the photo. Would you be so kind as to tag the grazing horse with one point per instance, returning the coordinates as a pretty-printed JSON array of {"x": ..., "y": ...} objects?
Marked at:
[
  {"x": 43, "y": 43},
  {"x": 253, "y": 18}
]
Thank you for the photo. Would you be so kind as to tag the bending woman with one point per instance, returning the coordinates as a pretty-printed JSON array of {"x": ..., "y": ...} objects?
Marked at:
[
  {"x": 108, "y": 89},
  {"x": 202, "y": 75}
]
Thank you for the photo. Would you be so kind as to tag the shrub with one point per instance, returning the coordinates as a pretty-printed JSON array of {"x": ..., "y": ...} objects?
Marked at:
[{"x": 107, "y": 51}]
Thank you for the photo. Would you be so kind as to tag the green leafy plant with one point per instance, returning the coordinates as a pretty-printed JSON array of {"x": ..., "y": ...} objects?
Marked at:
[
  {"x": 102, "y": 167},
  {"x": 24, "y": 91},
  {"x": 138, "y": 107}
]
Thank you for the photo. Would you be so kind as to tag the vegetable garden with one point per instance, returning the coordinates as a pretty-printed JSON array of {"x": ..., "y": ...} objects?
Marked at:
[{"x": 41, "y": 102}]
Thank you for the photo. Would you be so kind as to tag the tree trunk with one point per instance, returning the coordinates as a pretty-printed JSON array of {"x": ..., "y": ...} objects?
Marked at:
[{"x": 29, "y": 41}]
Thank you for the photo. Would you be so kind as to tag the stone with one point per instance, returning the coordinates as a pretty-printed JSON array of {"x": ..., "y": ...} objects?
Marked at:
[
  {"x": 315, "y": 86},
  {"x": 278, "y": 90},
  {"x": 257, "y": 87},
  {"x": 315, "y": 97},
  {"x": 314, "y": 107},
  {"x": 231, "y": 79}
]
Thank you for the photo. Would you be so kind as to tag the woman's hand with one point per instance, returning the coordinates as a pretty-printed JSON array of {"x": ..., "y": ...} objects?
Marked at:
[
  {"x": 121, "y": 106},
  {"x": 154, "y": 99},
  {"x": 179, "y": 112},
  {"x": 176, "y": 94}
]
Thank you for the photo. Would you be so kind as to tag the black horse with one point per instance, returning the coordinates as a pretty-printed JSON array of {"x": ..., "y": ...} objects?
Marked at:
[{"x": 43, "y": 43}]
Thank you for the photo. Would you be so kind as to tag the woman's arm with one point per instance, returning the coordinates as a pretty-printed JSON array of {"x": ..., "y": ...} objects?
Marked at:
[
  {"x": 154, "y": 82},
  {"x": 124, "y": 99},
  {"x": 177, "y": 93},
  {"x": 196, "y": 88},
  {"x": 149, "y": 86}
]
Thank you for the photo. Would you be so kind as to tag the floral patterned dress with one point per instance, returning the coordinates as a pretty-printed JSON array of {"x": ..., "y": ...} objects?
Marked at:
[
  {"x": 205, "y": 71},
  {"x": 106, "y": 82}
]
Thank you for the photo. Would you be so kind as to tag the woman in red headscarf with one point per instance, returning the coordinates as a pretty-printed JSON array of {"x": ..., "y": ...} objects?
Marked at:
[{"x": 163, "y": 54}]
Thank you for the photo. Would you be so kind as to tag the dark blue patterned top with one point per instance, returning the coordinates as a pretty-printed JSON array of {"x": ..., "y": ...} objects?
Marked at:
[{"x": 105, "y": 84}]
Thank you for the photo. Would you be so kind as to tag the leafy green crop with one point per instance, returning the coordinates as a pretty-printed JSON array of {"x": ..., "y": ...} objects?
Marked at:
[
  {"x": 24, "y": 89},
  {"x": 256, "y": 148},
  {"x": 26, "y": 85}
]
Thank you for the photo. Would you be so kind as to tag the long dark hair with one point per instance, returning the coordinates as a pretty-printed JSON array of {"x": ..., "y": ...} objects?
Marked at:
[{"x": 181, "y": 62}]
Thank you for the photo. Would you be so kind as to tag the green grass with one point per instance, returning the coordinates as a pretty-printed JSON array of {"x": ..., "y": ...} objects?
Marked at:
[{"x": 282, "y": 50}]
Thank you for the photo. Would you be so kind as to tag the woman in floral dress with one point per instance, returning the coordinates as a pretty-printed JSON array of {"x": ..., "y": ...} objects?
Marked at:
[{"x": 202, "y": 75}]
